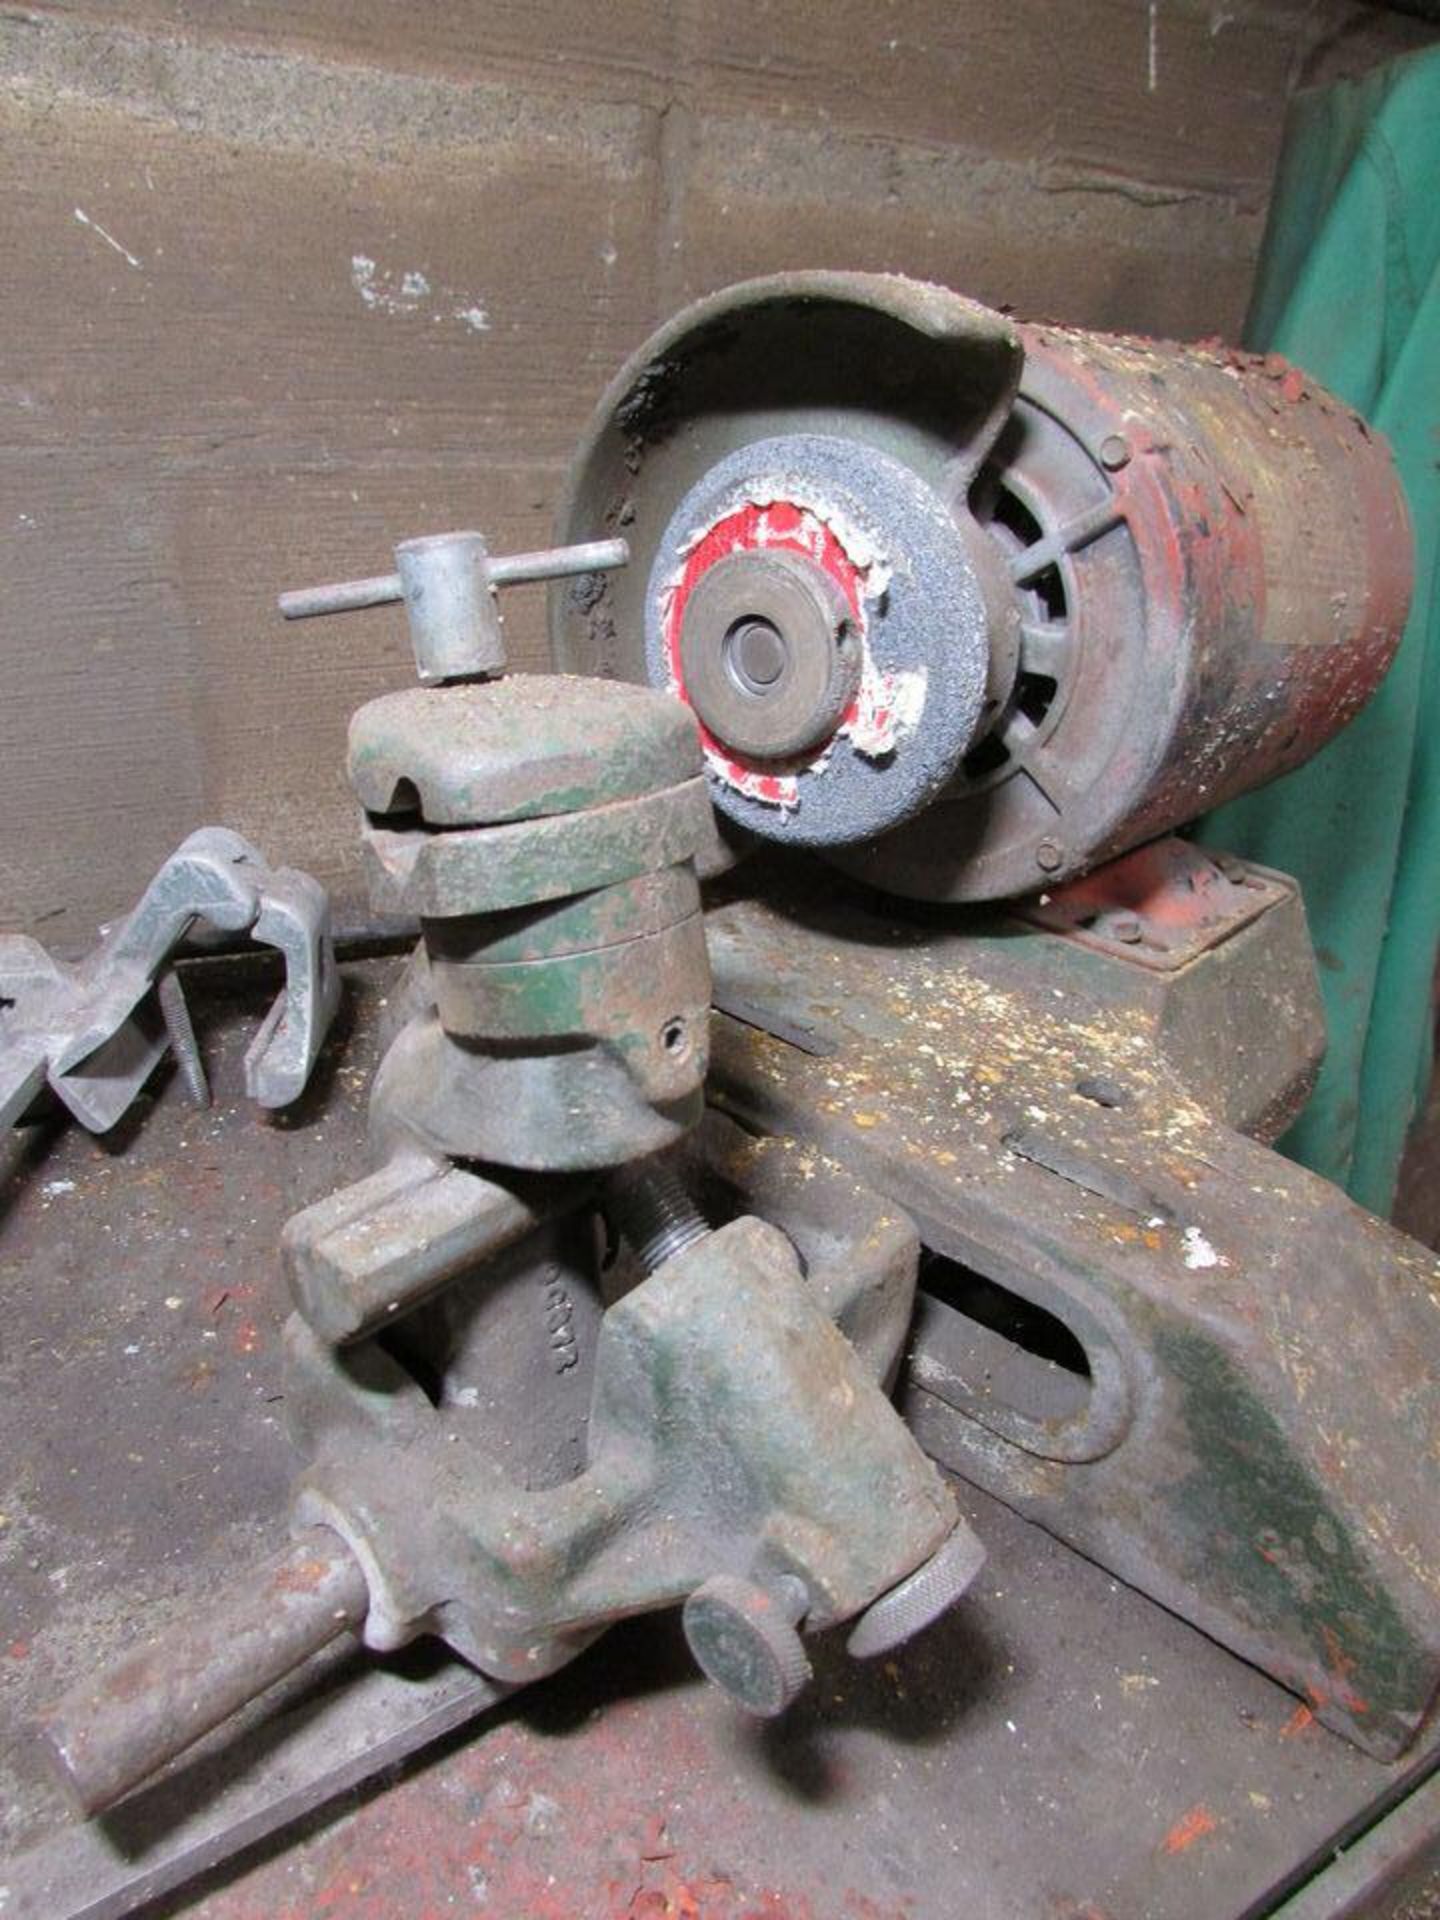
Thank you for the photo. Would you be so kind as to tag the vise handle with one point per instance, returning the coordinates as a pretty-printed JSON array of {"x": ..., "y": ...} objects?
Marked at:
[{"x": 448, "y": 583}]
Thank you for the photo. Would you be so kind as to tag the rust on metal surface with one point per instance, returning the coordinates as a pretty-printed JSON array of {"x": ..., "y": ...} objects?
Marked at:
[
  {"x": 1196, "y": 567},
  {"x": 512, "y": 1814},
  {"x": 1161, "y": 905},
  {"x": 115, "y": 1729}
]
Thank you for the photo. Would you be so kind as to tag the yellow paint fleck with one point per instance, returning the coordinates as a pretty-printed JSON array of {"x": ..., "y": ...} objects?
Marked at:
[{"x": 1137, "y": 1682}]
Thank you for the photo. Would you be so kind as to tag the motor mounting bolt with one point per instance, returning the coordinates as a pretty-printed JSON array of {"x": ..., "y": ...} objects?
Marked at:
[{"x": 1049, "y": 856}]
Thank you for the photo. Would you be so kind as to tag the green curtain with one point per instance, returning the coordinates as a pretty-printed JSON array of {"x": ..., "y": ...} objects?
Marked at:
[{"x": 1349, "y": 288}]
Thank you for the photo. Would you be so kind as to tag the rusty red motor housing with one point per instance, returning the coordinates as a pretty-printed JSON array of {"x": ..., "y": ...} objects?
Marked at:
[{"x": 1104, "y": 583}]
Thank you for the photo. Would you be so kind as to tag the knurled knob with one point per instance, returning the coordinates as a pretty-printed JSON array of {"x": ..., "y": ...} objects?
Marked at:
[
  {"x": 920, "y": 1598},
  {"x": 744, "y": 1640}
]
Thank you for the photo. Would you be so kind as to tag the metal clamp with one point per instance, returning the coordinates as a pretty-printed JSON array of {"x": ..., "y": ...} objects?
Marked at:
[
  {"x": 95, "y": 1032},
  {"x": 448, "y": 583}
]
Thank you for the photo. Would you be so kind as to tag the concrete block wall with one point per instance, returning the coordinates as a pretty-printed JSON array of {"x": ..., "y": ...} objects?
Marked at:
[{"x": 286, "y": 280}]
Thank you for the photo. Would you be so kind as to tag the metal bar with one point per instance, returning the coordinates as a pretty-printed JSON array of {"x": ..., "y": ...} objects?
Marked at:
[
  {"x": 505, "y": 570},
  {"x": 115, "y": 1729},
  {"x": 558, "y": 563},
  {"x": 341, "y": 596},
  {"x": 1381, "y": 1871},
  {"x": 272, "y": 1776}
]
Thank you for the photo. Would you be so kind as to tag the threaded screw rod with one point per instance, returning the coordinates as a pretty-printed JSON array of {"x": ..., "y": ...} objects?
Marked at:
[{"x": 654, "y": 1211}]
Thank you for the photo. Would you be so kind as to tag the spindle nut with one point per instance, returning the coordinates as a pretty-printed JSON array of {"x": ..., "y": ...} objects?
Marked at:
[{"x": 770, "y": 653}]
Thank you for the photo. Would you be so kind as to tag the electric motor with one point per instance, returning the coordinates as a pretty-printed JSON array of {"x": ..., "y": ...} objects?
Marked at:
[{"x": 967, "y": 605}]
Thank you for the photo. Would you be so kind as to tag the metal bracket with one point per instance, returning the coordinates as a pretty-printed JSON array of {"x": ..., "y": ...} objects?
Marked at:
[
  {"x": 1194, "y": 1362},
  {"x": 96, "y": 1031},
  {"x": 1161, "y": 906}
]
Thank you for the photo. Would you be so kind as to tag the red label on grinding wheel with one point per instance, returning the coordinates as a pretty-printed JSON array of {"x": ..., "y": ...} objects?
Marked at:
[{"x": 870, "y": 719}]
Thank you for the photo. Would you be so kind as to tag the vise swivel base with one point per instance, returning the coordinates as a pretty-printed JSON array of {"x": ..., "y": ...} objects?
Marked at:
[
  {"x": 1198, "y": 1364},
  {"x": 535, "y": 1389}
]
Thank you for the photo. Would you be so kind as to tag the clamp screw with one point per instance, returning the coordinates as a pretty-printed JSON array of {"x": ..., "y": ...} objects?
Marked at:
[
  {"x": 655, "y": 1212},
  {"x": 744, "y": 1639},
  {"x": 180, "y": 1030},
  {"x": 932, "y": 1589}
]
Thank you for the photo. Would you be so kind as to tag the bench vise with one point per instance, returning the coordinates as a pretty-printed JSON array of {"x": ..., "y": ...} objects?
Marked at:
[{"x": 513, "y": 1434}]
